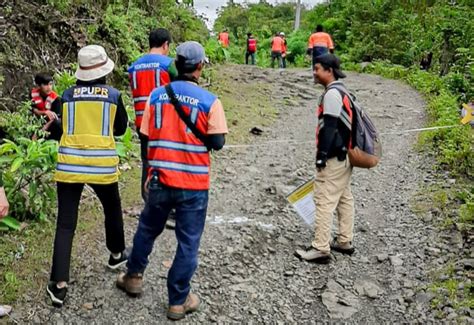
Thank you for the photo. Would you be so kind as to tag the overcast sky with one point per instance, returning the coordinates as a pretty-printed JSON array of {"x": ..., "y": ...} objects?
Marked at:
[{"x": 208, "y": 8}]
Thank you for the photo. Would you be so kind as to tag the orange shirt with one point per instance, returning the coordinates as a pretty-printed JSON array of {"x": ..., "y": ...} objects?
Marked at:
[
  {"x": 278, "y": 44},
  {"x": 224, "y": 39},
  {"x": 320, "y": 39}
]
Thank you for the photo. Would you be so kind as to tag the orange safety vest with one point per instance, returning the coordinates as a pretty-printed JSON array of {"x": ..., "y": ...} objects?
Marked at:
[
  {"x": 224, "y": 39},
  {"x": 320, "y": 39},
  {"x": 278, "y": 44},
  {"x": 346, "y": 115},
  {"x": 39, "y": 102},
  {"x": 147, "y": 73},
  {"x": 182, "y": 160}
]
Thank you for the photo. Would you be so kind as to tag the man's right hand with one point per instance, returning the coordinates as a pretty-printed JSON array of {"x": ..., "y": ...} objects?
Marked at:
[
  {"x": 145, "y": 186},
  {"x": 51, "y": 115}
]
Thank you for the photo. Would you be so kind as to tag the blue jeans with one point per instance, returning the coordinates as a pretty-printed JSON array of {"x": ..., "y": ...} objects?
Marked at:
[
  {"x": 317, "y": 51},
  {"x": 191, "y": 208}
]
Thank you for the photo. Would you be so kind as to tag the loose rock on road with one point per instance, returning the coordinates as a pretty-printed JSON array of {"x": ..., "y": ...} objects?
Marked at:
[{"x": 247, "y": 270}]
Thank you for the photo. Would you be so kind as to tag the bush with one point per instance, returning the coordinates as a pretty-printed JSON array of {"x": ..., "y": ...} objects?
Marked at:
[
  {"x": 453, "y": 147},
  {"x": 27, "y": 174}
]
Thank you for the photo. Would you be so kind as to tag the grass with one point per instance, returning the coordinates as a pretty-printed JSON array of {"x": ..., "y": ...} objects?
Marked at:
[
  {"x": 447, "y": 290},
  {"x": 23, "y": 261},
  {"x": 25, "y": 257},
  {"x": 452, "y": 205}
]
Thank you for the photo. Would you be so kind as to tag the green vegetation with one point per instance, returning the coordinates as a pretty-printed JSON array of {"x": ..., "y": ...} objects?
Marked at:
[
  {"x": 449, "y": 288},
  {"x": 124, "y": 26},
  {"x": 27, "y": 167},
  {"x": 452, "y": 147},
  {"x": 398, "y": 32}
]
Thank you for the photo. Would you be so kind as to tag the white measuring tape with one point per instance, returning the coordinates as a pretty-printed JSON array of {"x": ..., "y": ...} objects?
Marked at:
[{"x": 297, "y": 142}]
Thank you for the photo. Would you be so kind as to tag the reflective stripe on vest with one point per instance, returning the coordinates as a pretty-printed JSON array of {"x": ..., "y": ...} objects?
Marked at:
[
  {"x": 80, "y": 169},
  {"x": 193, "y": 169},
  {"x": 177, "y": 146},
  {"x": 88, "y": 152},
  {"x": 70, "y": 117},
  {"x": 140, "y": 99},
  {"x": 158, "y": 114},
  {"x": 181, "y": 159},
  {"x": 106, "y": 119},
  {"x": 87, "y": 148}
]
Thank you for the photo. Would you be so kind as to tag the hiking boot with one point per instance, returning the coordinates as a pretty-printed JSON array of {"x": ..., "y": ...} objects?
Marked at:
[
  {"x": 345, "y": 248},
  {"x": 132, "y": 284},
  {"x": 177, "y": 312},
  {"x": 115, "y": 263},
  {"x": 56, "y": 294},
  {"x": 313, "y": 255}
]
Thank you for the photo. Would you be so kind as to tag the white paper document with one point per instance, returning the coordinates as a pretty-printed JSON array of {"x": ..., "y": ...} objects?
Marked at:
[{"x": 302, "y": 200}]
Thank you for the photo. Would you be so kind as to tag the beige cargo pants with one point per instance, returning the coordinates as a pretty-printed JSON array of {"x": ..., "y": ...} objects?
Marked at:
[{"x": 332, "y": 191}]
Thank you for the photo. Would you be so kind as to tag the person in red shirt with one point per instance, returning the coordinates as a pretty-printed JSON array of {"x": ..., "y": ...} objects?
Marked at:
[
  {"x": 277, "y": 48},
  {"x": 223, "y": 38},
  {"x": 251, "y": 48},
  {"x": 45, "y": 102}
]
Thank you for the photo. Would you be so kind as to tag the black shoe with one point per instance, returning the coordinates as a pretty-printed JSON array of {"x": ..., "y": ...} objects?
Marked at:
[
  {"x": 56, "y": 294},
  {"x": 116, "y": 263},
  {"x": 345, "y": 248}
]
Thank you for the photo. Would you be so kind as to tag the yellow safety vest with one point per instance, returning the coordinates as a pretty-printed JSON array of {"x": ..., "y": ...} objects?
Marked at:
[{"x": 87, "y": 147}]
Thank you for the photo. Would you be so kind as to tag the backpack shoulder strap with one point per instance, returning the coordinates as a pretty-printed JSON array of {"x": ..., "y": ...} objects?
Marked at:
[
  {"x": 186, "y": 119},
  {"x": 342, "y": 89}
]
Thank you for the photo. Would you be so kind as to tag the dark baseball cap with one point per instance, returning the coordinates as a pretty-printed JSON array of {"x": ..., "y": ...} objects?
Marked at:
[
  {"x": 331, "y": 61},
  {"x": 192, "y": 52}
]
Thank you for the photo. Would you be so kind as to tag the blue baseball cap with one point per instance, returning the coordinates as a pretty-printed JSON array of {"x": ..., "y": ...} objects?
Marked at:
[{"x": 192, "y": 52}]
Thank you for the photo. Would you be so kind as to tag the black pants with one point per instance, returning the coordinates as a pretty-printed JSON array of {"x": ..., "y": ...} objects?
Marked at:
[
  {"x": 144, "y": 156},
  {"x": 276, "y": 55},
  {"x": 251, "y": 55},
  {"x": 55, "y": 130},
  {"x": 69, "y": 195}
]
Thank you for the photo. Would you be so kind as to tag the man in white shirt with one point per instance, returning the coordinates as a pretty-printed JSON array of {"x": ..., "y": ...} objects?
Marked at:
[{"x": 333, "y": 169}]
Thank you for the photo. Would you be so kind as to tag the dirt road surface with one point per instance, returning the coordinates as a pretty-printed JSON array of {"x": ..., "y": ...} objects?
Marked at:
[{"x": 247, "y": 271}]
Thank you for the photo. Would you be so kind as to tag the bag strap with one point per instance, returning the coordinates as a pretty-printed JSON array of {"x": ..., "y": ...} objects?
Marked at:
[
  {"x": 186, "y": 119},
  {"x": 343, "y": 89},
  {"x": 352, "y": 129}
]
